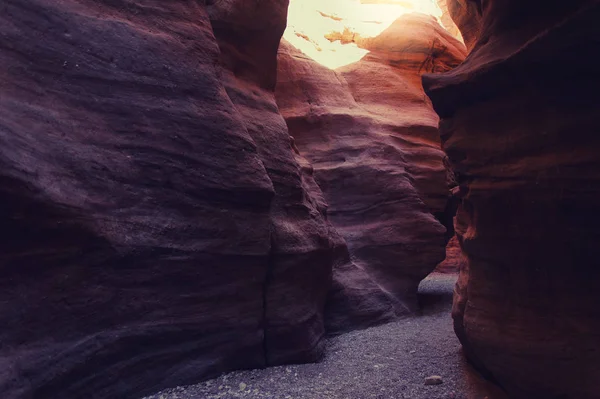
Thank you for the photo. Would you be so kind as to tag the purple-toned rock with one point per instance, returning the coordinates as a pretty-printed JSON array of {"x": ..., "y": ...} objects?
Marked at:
[
  {"x": 156, "y": 227},
  {"x": 371, "y": 136}
]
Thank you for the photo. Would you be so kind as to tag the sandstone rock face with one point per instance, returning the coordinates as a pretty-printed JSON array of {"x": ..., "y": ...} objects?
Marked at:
[
  {"x": 156, "y": 226},
  {"x": 519, "y": 125},
  {"x": 371, "y": 135},
  {"x": 447, "y": 20},
  {"x": 454, "y": 258},
  {"x": 467, "y": 15},
  {"x": 302, "y": 243}
]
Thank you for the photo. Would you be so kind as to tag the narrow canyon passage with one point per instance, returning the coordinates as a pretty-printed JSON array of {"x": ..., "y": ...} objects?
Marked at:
[
  {"x": 190, "y": 188},
  {"x": 349, "y": 88},
  {"x": 384, "y": 362}
]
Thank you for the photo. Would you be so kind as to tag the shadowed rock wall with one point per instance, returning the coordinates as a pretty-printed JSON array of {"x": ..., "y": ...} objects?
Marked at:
[
  {"x": 519, "y": 126},
  {"x": 156, "y": 227},
  {"x": 158, "y": 224}
]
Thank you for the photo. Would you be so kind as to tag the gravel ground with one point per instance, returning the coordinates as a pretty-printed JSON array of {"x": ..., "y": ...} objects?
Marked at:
[{"x": 385, "y": 362}]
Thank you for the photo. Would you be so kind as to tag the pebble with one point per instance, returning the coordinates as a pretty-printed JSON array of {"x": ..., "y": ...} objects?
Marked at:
[{"x": 433, "y": 380}]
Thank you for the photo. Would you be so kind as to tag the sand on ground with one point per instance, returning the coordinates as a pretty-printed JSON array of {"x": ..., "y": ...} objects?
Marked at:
[{"x": 383, "y": 362}]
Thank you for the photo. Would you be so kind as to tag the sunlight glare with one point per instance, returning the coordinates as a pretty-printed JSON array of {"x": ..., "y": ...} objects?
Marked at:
[{"x": 309, "y": 21}]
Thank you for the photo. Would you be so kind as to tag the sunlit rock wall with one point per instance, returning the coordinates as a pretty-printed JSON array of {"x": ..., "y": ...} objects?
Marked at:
[{"x": 371, "y": 136}]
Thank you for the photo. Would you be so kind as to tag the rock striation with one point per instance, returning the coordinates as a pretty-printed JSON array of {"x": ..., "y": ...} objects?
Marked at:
[
  {"x": 371, "y": 136},
  {"x": 518, "y": 122},
  {"x": 454, "y": 258},
  {"x": 466, "y": 15},
  {"x": 156, "y": 225},
  {"x": 160, "y": 226}
]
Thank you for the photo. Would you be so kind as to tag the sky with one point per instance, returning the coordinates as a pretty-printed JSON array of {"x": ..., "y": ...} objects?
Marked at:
[{"x": 310, "y": 20}]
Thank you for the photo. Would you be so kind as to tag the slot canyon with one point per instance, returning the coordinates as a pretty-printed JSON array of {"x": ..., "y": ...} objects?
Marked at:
[{"x": 200, "y": 198}]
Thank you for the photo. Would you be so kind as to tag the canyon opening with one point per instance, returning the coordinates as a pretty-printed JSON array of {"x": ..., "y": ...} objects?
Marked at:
[{"x": 337, "y": 33}]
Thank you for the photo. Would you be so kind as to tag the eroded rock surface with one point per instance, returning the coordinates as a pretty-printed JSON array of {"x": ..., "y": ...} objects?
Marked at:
[
  {"x": 158, "y": 223},
  {"x": 454, "y": 258},
  {"x": 302, "y": 242},
  {"x": 519, "y": 123},
  {"x": 371, "y": 135},
  {"x": 466, "y": 14},
  {"x": 156, "y": 226},
  {"x": 446, "y": 18}
]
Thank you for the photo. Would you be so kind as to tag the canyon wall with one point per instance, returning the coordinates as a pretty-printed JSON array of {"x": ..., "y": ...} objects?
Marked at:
[
  {"x": 454, "y": 258},
  {"x": 371, "y": 135},
  {"x": 301, "y": 250},
  {"x": 519, "y": 124},
  {"x": 159, "y": 225},
  {"x": 156, "y": 225},
  {"x": 466, "y": 15}
]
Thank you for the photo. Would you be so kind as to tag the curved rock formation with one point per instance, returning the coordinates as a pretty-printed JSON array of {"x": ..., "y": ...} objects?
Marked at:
[
  {"x": 520, "y": 128},
  {"x": 156, "y": 227},
  {"x": 301, "y": 241},
  {"x": 446, "y": 18},
  {"x": 454, "y": 258},
  {"x": 467, "y": 15},
  {"x": 371, "y": 135}
]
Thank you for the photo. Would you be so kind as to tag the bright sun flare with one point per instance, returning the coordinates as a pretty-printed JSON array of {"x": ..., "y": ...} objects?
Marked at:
[{"x": 309, "y": 21}]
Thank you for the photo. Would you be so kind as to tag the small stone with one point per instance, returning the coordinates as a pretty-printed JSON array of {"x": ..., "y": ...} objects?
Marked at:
[
  {"x": 242, "y": 386},
  {"x": 433, "y": 380}
]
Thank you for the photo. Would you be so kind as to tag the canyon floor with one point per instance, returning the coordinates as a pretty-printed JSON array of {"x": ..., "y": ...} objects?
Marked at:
[{"x": 384, "y": 362}]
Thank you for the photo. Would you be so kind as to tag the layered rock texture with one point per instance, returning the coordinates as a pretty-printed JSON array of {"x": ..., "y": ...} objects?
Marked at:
[
  {"x": 156, "y": 225},
  {"x": 371, "y": 136},
  {"x": 159, "y": 224},
  {"x": 454, "y": 258},
  {"x": 447, "y": 19},
  {"x": 519, "y": 123},
  {"x": 466, "y": 14}
]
